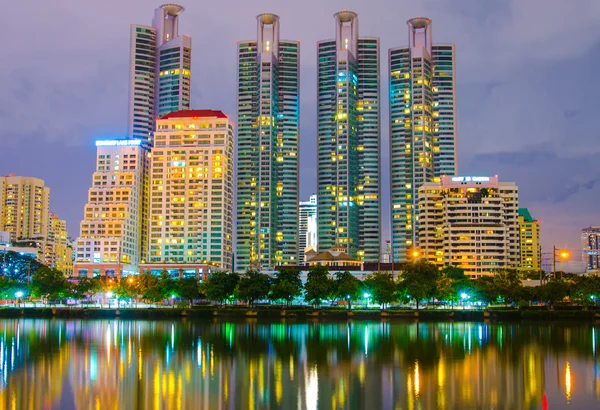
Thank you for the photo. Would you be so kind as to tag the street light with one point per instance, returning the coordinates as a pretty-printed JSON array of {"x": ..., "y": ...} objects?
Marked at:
[
  {"x": 18, "y": 295},
  {"x": 562, "y": 254},
  {"x": 367, "y": 296},
  {"x": 464, "y": 297}
]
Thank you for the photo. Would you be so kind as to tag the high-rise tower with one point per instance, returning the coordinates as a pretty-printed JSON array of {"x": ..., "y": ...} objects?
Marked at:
[
  {"x": 267, "y": 148},
  {"x": 160, "y": 64},
  {"x": 348, "y": 114},
  {"x": 423, "y": 135}
]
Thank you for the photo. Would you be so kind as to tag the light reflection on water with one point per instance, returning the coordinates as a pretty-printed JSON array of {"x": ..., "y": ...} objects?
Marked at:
[{"x": 116, "y": 364}]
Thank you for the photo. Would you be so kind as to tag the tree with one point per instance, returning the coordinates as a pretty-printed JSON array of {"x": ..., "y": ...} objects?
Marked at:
[
  {"x": 49, "y": 284},
  {"x": 167, "y": 285},
  {"x": 507, "y": 283},
  {"x": 253, "y": 286},
  {"x": 86, "y": 288},
  {"x": 286, "y": 285},
  {"x": 18, "y": 267},
  {"x": 147, "y": 287},
  {"x": 319, "y": 286},
  {"x": 554, "y": 291},
  {"x": 123, "y": 290},
  {"x": 419, "y": 279},
  {"x": 188, "y": 289},
  {"x": 453, "y": 272},
  {"x": 220, "y": 286},
  {"x": 347, "y": 287},
  {"x": 382, "y": 287}
]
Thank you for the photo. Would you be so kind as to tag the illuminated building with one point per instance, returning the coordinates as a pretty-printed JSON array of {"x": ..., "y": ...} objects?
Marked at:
[
  {"x": 590, "y": 243},
  {"x": 60, "y": 251},
  {"x": 111, "y": 233},
  {"x": 308, "y": 226},
  {"x": 349, "y": 209},
  {"x": 267, "y": 149},
  {"x": 24, "y": 207},
  {"x": 191, "y": 189},
  {"x": 471, "y": 223},
  {"x": 423, "y": 132},
  {"x": 530, "y": 248},
  {"x": 160, "y": 64}
]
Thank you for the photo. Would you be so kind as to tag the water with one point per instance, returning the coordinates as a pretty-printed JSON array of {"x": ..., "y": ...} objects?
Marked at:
[{"x": 117, "y": 364}]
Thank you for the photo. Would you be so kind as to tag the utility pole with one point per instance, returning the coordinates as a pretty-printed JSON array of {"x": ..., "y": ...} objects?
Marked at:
[{"x": 554, "y": 261}]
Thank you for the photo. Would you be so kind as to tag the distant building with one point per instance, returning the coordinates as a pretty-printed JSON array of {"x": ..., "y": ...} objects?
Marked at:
[
  {"x": 530, "y": 247},
  {"x": 4, "y": 237},
  {"x": 59, "y": 249},
  {"x": 469, "y": 222},
  {"x": 307, "y": 233},
  {"x": 24, "y": 207},
  {"x": 160, "y": 71},
  {"x": 334, "y": 257},
  {"x": 112, "y": 234},
  {"x": 191, "y": 190},
  {"x": 590, "y": 244}
]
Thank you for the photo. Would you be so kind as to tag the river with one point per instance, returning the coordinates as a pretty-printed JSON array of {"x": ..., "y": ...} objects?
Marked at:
[{"x": 119, "y": 364}]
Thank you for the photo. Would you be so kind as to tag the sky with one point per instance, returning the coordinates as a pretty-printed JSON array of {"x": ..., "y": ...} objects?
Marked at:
[{"x": 526, "y": 89}]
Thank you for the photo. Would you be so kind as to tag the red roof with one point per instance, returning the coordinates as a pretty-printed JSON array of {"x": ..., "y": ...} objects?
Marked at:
[{"x": 194, "y": 114}]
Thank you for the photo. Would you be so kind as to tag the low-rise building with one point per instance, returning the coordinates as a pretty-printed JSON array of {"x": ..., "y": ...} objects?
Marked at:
[{"x": 469, "y": 222}]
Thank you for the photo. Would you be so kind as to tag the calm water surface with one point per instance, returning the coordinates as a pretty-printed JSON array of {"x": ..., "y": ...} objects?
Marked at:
[{"x": 117, "y": 364}]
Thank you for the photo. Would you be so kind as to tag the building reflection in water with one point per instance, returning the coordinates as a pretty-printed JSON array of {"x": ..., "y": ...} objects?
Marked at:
[{"x": 117, "y": 364}]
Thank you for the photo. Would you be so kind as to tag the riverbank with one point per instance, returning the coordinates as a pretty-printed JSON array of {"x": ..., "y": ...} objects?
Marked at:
[{"x": 302, "y": 313}]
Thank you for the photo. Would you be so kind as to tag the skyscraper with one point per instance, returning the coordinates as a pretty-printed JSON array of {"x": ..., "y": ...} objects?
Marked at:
[
  {"x": 423, "y": 134},
  {"x": 160, "y": 64},
  {"x": 307, "y": 232},
  {"x": 590, "y": 243},
  {"x": 191, "y": 196},
  {"x": 267, "y": 148},
  {"x": 111, "y": 234},
  {"x": 348, "y": 114}
]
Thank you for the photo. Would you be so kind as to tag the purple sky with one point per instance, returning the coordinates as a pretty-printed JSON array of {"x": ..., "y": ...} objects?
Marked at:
[{"x": 527, "y": 94}]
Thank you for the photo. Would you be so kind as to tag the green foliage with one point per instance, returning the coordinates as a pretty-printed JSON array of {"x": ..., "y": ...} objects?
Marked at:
[
  {"x": 86, "y": 288},
  {"x": 167, "y": 285},
  {"x": 18, "y": 267},
  {"x": 188, "y": 289},
  {"x": 453, "y": 272},
  {"x": 381, "y": 287},
  {"x": 49, "y": 284},
  {"x": 554, "y": 291},
  {"x": 347, "y": 287},
  {"x": 419, "y": 280},
  {"x": 286, "y": 285},
  {"x": 220, "y": 286},
  {"x": 319, "y": 286},
  {"x": 147, "y": 287},
  {"x": 253, "y": 286}
]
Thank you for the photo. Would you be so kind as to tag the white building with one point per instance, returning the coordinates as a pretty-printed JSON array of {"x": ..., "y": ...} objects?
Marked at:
[
  {"x": 469, "y": 222},
  {"x": 111, "y": 238},
  {"x": 160, "y": 76},
  {"x": 307, "y": 234},
  {"x": 191, "y": 190}
]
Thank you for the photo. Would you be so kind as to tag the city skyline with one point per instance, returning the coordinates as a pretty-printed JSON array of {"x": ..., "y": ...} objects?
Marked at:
[{"x": 485, "y": 154}]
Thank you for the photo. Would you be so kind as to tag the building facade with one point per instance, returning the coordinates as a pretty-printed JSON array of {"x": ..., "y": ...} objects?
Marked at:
[
  {"x": 160, "y": 71},
  {"x": 590, "y": 244},
  {"x": 530, "y": 248},
  {"x": 267, "y": 148},
  {"x": 307, "y": 232},
  {"x": 348, "y": 157},
  {"x": 471, "y": 223},
  {"x": 423, "y": 129},
  {"x": 24, "y": 207},
  {"x": 191, "y": 190},
  {"x": 59, "y": 250},
  {"x": 111, "y": 234}
]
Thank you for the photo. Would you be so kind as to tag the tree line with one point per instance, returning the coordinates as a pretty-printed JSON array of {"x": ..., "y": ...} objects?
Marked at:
[{"x": 419, "y": 283}]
